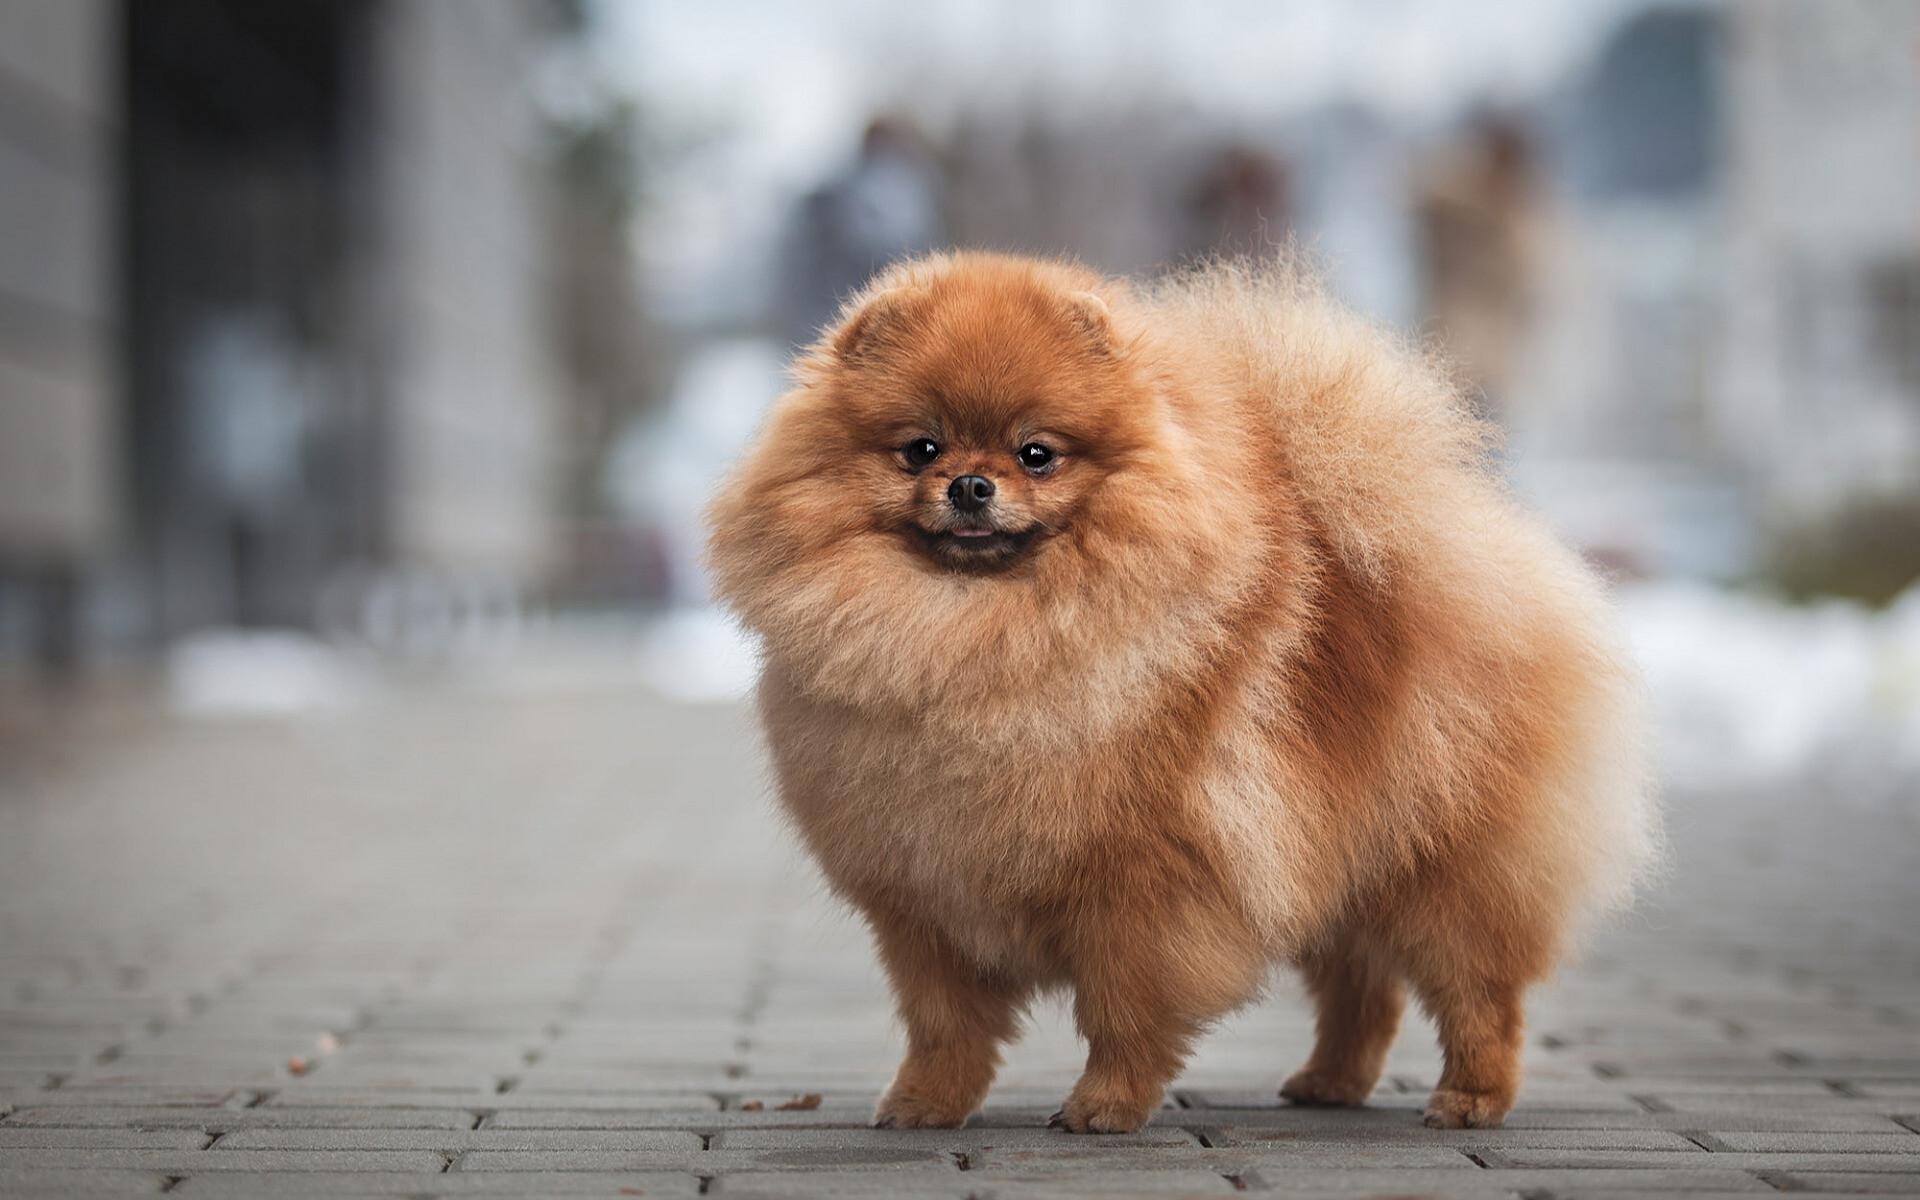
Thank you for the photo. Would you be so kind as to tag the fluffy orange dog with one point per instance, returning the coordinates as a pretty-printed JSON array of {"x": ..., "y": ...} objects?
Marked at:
[{"x": 1131, "y": 640}]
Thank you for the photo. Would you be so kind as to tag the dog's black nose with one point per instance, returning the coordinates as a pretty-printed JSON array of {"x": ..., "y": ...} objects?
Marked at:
[{"x": 970, "y": 493}]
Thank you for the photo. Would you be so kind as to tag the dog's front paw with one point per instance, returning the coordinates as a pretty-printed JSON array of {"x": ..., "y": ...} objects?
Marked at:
[
  {"x": 1090, "y": 1114},
  {"x": 903, "y": 1109},
  {"x": 1449, "y": 1109},
  {"x": 1317, "y": 1088}
]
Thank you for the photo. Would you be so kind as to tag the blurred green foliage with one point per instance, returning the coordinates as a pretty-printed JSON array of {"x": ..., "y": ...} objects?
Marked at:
[
  {"x": 1869, "y": 552},
  {"x": 597, "y": 158}
]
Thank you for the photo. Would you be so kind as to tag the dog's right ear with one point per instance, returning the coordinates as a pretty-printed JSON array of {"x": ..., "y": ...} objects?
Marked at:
[
  {"x": 1090, "y": 317},
  {"x": 871, "y": 325}
]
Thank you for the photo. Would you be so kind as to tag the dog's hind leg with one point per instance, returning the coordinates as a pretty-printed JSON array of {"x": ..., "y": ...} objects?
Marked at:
[
  {"x": 1481, "y": 1027},
  {"x": 1470, "y": 958},
  {"x": 1358, "y": 1003}
]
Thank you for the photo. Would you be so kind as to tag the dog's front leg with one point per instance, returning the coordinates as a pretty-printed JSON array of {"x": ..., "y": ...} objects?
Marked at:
[
  {"x": 1144, "y": 988},
  {"x": 956, "y": 1016}
]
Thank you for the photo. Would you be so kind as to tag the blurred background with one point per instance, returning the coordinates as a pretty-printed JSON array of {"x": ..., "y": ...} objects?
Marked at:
[{"x": 349, "y": 343}]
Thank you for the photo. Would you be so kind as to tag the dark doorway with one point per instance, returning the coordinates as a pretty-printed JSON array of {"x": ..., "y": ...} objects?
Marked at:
[{"x": 255, "y": 431}]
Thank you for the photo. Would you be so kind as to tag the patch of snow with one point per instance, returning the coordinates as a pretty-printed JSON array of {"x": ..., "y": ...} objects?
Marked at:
[
  {"x": 226, "y": 673},
  {"x": 1749, "y": 691},
  {"x": 661, "y": 470},
  {"x": 698, "y": 655}
]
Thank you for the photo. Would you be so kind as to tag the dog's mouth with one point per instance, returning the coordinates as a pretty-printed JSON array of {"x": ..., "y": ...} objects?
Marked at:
[{"x": 978, "y": 547}]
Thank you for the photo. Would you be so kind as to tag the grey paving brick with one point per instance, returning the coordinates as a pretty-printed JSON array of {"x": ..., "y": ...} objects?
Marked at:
[
  {"x": 26, "y": 1183},
  {"x": 88, "y": 1193},
  {"x": 1730, "y": 1160},
  {"x": 101, "y": 1137},
  {"x": 862, "y": 1138},
  {"x": 1465, "y": 1141},
  {"x": 705, "y": 1077},
  {"x": 177, "y": 1162},
  {"x": 699, "y": 1162},
  {"x": 397, "y": 1097},
  {"x": 1802, "y": 1141},
  {"x": 1601, "y": 1191},
  {"x": 1321, "y": 1181},
  {"x": 829, "y": 1156},
  {"x": 1846, "y": 1184},
  {"x": 1685, "y": 1089},
  {"x": 1715, "y": 1103},
  {"x": 24, "y": 1083},
  {"x": 1750, "y": 1118},
  {"x": 627, "y": 1118},
  {"x": 604, "y": 981},
  {"x": 459, "y": 1141},
  {"x": 188, "y": 1073},
  {"x": 847, "y": 1185},
  {"x": 381, "y": 1186},
  {"x": 218, "y": 1118},
  {"x": 493, "y": 1099},
  {"x": 714, "y": 1162},
  {"x": 1598, "y": 1097},
  {"x": 158, "y": 1097},
  {"x": 1135, "y": 1183},
  {"x": 348, "y": 1078},
  {"x": 1093, "y": 1155}
]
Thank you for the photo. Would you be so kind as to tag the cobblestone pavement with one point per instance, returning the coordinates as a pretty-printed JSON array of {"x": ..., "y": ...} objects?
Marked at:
[{"x": 466, "y": 943}]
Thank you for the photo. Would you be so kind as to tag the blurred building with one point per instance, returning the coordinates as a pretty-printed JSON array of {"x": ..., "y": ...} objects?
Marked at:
[
  {"x": 271, "y": 309},
  {"x": 1821, "y": 358},
  {"x": 1727, "y": 312},
  {"x": 1129, "y": 187},
  {"x": 62, "y": 423}
]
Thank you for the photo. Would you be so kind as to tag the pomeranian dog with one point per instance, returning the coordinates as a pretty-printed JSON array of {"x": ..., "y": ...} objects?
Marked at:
[{"x": 1132, "y": 639}]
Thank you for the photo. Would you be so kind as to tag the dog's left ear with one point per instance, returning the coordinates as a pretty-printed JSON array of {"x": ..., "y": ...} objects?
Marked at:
[
  {"x": 1090, "y": 317},
  {"x": 870, "y": 324}
]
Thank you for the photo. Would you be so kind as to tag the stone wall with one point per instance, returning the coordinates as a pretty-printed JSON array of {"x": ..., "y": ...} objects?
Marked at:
[{"x": 58, "y": 391}]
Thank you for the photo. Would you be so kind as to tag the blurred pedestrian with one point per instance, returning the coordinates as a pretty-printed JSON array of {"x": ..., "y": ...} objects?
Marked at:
[
  {"x": 888, "y": 204},
  {"x": 1478, "y": 208}
]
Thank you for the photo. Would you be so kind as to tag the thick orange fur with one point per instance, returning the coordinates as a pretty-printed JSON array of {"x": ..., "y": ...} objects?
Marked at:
[{"x": 1280, "y": 674}]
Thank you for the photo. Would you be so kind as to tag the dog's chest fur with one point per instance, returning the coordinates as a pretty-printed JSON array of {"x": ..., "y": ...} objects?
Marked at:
[{"x": 983, "y": 838}]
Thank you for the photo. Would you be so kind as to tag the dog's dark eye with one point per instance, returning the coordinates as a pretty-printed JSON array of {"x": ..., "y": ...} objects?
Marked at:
[
  {"x": 920, "y": 451},
  {"x": 1035, "y": 457}
]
